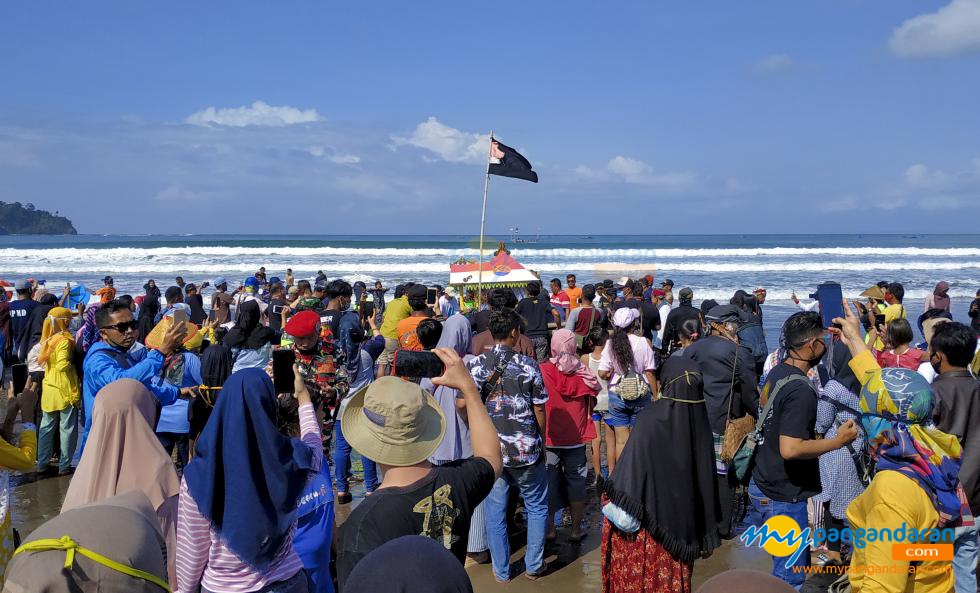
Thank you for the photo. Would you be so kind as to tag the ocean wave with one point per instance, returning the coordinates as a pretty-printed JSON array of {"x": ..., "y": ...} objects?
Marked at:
[{"x": 284, "y": 253}]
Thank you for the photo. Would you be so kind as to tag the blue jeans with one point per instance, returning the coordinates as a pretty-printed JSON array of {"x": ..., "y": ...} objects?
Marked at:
[
  {"x": 532, "y": 481},
  {"x": 67, "y": 422},
  {"x": 764, "y": 508},
  {"x": 965, "y": 559},
  {"x": 622, "y": 412},
  {"x": 341, "y": 464}
]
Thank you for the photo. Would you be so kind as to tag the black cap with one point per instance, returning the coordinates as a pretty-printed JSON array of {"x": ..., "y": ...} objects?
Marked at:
[
  {"x": 667, "y": 282},
  {"x": 107, "y": 280},
  {"x": 607, "y": 283},
  {"x": 722, "y": 314},
  {"x": 417, "y": 291}
]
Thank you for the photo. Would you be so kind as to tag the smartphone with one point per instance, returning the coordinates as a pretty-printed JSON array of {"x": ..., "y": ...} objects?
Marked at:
[
  {"x": 283, "y": 376},
  {"x": 431, "y": 297},
  {"x": 19, "y": 377},
  {"x": 831, "y": 302},
  {"x": 415, "y": 363},
  {"x": 180, "y": 316},
  {"x": 277, "y": 309},
  {"x": 879, "y": 320}
]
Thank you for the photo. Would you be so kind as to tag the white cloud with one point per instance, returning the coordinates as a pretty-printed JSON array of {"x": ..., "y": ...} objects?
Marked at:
[
  {"x": 953, "y": 29},
  {"x": 774, "y": 63},
  {"x": 839, "y": 204},
  {"x": 448, "y": 143},
  {"x": 259, "y": 114},
  {"x": 637, "y": 172},
  {"x": 334, "y": 157},
  {"x": 921, "y": 177}
]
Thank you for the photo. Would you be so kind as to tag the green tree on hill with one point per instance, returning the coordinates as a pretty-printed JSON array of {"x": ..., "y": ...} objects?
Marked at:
[{"x": 21, "y": 219}]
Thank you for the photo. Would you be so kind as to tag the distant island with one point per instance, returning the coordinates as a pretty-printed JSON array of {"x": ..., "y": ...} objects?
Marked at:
[{"x": 25, "y": 219}]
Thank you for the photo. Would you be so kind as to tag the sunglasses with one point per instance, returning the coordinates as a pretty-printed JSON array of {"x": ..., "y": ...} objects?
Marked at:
[{"x": 122, "y": 327}]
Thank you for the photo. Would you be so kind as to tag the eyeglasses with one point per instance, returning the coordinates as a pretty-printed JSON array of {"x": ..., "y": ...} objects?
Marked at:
[{"x": 123, "y": 327}]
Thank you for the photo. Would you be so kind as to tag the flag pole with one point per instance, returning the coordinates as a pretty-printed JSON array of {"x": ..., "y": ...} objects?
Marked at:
[{"x": 483, "y": 220}]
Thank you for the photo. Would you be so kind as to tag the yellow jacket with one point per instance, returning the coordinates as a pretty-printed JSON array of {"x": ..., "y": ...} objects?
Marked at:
[
  {"x": 60, "y": 388},
  {"x": 22, "y": 458},
  {"x": 890, "y": 500}
]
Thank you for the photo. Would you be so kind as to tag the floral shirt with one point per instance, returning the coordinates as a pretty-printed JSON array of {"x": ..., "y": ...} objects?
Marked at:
[{"x": 511, "y": 403}]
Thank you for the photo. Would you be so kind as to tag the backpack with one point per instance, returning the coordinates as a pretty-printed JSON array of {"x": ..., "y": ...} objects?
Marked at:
[
  {"x": 580, "y": 338},
  {"x": 632, "y": 386}
]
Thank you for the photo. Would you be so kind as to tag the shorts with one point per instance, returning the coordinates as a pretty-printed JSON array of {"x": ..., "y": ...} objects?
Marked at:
[
  {"x": 600, "y": 415},
  {"x": 567, "y": 470},
  {"x": 387, "y": 357},
  {"x": 623, "y": 413}
]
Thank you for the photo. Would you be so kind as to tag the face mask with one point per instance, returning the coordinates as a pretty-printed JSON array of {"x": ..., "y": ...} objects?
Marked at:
[{"x": 816, "y": 360}]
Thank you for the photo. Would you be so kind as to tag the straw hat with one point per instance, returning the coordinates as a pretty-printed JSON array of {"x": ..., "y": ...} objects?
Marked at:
[
  {"x": 192, "y": 339},
  {"x": 875, "y": 292},
  {"x": 394, "y": 422}
]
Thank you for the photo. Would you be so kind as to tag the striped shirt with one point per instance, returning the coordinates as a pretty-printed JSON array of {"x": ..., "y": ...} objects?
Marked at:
[{"x": 204, "y": 560}]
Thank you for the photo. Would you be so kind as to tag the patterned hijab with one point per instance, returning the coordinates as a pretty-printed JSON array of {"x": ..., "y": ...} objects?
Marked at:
[{"x": 897, "y": 418}]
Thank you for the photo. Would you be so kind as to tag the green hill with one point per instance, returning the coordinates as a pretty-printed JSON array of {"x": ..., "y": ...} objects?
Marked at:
[{"x": 21, "y": 219}]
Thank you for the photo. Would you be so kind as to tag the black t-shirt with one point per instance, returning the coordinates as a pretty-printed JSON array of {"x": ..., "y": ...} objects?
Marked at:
[
  {"x": 331, "y": 318},
  {"x": 649, "y": 315},
  {"x": 439, "y": 506},
  {"x": 537, "y": 312},
  {"x": 793, "y": 414}
]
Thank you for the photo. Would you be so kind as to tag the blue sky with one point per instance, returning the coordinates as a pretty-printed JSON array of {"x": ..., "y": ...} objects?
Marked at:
[{"x": 646, "y": 117}]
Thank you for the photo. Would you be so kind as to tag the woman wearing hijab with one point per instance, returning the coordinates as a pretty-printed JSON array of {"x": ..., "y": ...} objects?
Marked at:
[
  {"x": 663, "y": 511},
  {"x": 916, "y": 484},
  {"x": 572, "y": 389},
  {"x": 458, "y": 335},
  {"x": 939, "y": 299},
  {"x": 61, "y": 392},
  {"x": 89, "y": 334},
  {"x": 216, "y": 365},
  {"x": 147, "y": 319},
  {"x": 250, "y": 342},
  {"x": 123, "y": 454},
  {"x": 119, "y": 548},
  {"x": 238, "y": 496},
  {"x": 838, "y": 475},
  {"x": 411, "y": 564}
]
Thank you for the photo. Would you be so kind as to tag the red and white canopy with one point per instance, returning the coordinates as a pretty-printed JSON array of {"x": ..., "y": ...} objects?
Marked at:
[{"x": 502, "y": 270}]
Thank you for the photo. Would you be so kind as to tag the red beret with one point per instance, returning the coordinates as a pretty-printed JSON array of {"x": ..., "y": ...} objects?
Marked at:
[
  {"x": 659, "y": 293},
  {"x": 302, "y": 324}
]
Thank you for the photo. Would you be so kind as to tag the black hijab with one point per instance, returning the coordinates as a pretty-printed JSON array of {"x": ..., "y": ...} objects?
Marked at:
[
  {"x": 839, "y": 370},
  {"x": 196, "y": 303},
  {"x": 410, "y": 564},
  {"x": 35, "y": 323},
  {"x": 148, "y": 314},
  {"x": 666, "y": 474},
  {"x": 249, "y": 333}
]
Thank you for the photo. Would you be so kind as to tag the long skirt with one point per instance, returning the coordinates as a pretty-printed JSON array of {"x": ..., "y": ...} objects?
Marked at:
[{"x": 636, "y": 563}]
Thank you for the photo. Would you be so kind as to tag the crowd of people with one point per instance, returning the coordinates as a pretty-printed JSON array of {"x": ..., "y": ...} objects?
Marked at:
[{"x": 200, "y": 462}]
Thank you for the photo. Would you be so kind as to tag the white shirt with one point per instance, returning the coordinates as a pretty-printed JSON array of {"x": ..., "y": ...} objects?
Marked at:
[
  {"x": 811, "y": 306},
  {"x": 664, "y": 310}
]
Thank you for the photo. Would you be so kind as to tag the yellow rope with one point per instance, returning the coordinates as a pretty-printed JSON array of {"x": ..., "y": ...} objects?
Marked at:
[{"x": 70, "y": 547}]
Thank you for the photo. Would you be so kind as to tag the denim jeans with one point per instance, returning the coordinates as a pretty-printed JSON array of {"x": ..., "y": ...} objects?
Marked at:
[
  {"x": 532, "y": 481},
  {"x": 180, "y": 441},
  {"x": 965, "y": 559},
  {"x": 761, "y": 510},
  {"x": 341, "y": 464},
  {"x": 67, "y": 422}
]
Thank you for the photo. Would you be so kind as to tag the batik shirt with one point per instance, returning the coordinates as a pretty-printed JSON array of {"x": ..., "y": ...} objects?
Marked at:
[{"x": 511, "y": 403}]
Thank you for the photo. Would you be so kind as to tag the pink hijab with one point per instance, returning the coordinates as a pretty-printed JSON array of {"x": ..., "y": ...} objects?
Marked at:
[{"x": 564, "y": 357}]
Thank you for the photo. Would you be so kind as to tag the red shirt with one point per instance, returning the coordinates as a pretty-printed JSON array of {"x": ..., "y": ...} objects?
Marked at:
[
  {"x": 568, "y": 409},
  {"x": 910, "y": 359}
]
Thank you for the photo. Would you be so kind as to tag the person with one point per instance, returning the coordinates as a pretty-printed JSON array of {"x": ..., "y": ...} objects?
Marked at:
[
  {"x": 537, "y": 313},
  {"x": 649, "y": 315},
  {"x": 559, "y": 299},
  {"x": 112, "y": 545},
  {"x": 112, "y": 359},
  {"x": 107, "y": 293},
  {"x": 939, "y": 299},
  {"x": 583, "y": 318},
  {"x": 786, "y": 469},
  {"x": 221, "y": 301},
  {"x": 894, "y": 294},
  {"x": 512, "y": 386},
  {"x": 237, "y": 510},
  {"x": 216, "y": 365},
  {"x": 183, "y": 370},
  {"x": 658, "y": 298},
  {"x": 760, "y": 299},
  {"x": 574, "y": 293},
  {"x": 897, "y": 352},
  {"x": 802, "y": 305},
  {"x": 124, "y": 454},
  {"x": 915, "y": 485},
  {"x": 750, "y": 333},
  {"x": 428, "y": 332},
  {"x": 394, "y": 312},
  {"x": 468, "y": 302},
  {"x": 415, "y": 497},
  {"x": 17, "y": 453},
  {"x": 250, "y": 342},
  {"x": 957, "y": 412},
  {"x": 406, "y": 329},
  {"x": 148, "y": 316},
  {"x": 174, "y": 297},
  {"x": 448, "y": 302},
  {"x": 195, "y": 302},
  {"x": 572, "y": 388},
  {"x": 495, "y": 300},
  {"x": 61, "y": 393},
  {"x": 668, "y": 287},
  {"x": 31, "y": 335},
  {"x": 672, "y": 500},
  {"x": 483, "y": 341},
  {"x": 594, "y": 344},
  {"x": 974, "y": 313},
  {"x": 411, "y": 564},
  {"x": 839, "y": 479},
  {"x": 730, "y": 392},
  {"x": 151, "y": 289},
  {"x": 683, "y": 311},
  {"x": 625, "y": 354}
]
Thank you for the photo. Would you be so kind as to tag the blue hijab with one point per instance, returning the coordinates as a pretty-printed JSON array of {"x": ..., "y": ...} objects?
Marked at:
[{"x": 246, "y": 476}]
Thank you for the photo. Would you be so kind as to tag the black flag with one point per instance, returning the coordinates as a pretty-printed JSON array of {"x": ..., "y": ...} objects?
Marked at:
[{"x": 507, "y": 162}]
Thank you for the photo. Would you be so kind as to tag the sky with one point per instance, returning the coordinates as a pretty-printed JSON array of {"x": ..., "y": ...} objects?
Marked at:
[{"x": 373, "y": 117}]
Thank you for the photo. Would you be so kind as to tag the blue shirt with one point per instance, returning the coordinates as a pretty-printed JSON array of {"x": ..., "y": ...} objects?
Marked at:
[
  {"x": 105, "y": 363},
  {"x": 173, "y": 417},
  {"x": 314, "y": 529}
]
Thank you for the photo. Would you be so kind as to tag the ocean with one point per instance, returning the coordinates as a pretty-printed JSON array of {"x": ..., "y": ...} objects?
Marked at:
[{"x": 714, "y": 266}]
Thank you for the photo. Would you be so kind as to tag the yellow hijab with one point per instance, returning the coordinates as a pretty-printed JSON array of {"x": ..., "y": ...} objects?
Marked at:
[{"x": 54, "y": 330}]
